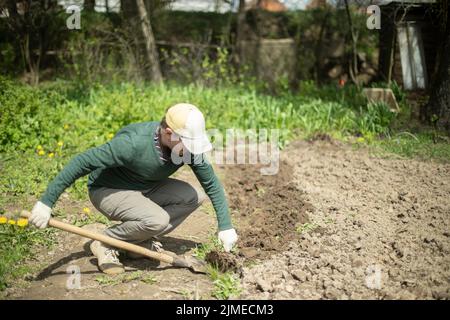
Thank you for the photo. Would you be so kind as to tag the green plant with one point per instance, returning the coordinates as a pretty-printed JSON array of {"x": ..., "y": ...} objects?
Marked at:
[
  {"x": 112, "y": 280},
  {"x": 376, "y": 118},
  {"x": 201, "y": 65},
  {"x": 421, "y": 145},
  {"x": 260, "y": 192},
  {"x": 208, "y": 209},
  {"x": 149, "y": 279},
  {"x": 306, "y": 227},
  {"x": 226, "y": 285},
  {"x": 108, "y": 280},
  {"x": 91, "y": 218},
  {"x": 17, "y": 242},
  {"x": 200, "y": 251}
]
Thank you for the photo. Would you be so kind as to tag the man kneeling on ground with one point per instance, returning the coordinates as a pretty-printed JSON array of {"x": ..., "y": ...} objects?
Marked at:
[{"x": 129, "y": 182}]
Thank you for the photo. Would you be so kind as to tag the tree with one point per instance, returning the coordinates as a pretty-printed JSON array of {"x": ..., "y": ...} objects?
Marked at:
[
  {"x": 353, "y": 68},
  {"x": 34, "y": 24},
  {"x": 320, "y": 58},
  {"x": 89, "y": 5},
  {"x": 240, "y": 31},
  {"x": 151, "y": 53},
  {"x": 137, "y": 28},
  {"x": 438, "y": 108}
]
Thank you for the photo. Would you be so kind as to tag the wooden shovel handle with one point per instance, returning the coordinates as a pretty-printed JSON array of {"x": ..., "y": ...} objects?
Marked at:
[{"x": 105, "y": 239}]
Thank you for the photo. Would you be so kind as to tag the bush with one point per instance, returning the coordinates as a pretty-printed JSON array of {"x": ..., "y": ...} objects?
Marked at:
[
  {"x": 64, "y": 111},
  {"x": 375, "y": 119}
]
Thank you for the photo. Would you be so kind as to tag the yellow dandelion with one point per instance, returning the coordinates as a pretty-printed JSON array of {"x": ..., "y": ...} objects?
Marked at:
[
  {"x": 3, "y": 219},
  {"x": 86, "y": 210},
  {"x": 39, "y": 147},
  {"x": 22, "y": 222},
  {"x": 12, "y": 222},
  {"x": 51, "y": 155},
  {"x": 66, "y": 126},
  {"x": 41, "y": 152},
  {"x": 360, "y": 139},
  {"x": 110, "y": 135},
  {"x": 60, "y": 143}
]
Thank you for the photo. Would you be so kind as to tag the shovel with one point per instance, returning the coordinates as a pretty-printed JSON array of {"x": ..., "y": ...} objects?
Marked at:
[{"x": 171, "y": 258}]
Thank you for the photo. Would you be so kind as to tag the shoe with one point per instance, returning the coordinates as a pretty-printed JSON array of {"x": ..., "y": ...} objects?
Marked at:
[
  {"x": 108, "y": 258},
  {"x": 151, "y": 244}
]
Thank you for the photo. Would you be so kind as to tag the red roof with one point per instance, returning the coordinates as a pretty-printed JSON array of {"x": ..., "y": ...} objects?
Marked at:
[{"x": 268, "y": 5}]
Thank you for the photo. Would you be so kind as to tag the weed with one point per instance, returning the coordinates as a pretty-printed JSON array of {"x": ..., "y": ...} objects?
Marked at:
[
  {"x": 17, "y": 242},
  {"x": 306, "y": 227},
  {"x": 203, "y": 249},
  {"x": 226, "y": 285},
  {"x": 149, "y": 279},
  {"x": 108, "y": 280}
]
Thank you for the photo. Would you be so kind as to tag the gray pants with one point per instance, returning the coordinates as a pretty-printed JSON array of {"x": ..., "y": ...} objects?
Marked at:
[{"x": 147, "y": 213}]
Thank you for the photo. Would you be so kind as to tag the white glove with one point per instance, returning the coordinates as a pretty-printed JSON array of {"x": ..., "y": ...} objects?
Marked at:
[
  {"x": 228, "y": 239},
  {"x": 40, "y": 215}
]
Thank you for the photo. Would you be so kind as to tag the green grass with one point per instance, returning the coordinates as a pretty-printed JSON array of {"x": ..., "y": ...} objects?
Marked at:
[
  {"x": 424, "y": 146},
  {"x": 203, "y": 249},
  {"x": 148, "y": 279},
  {"x": 112, "y": 280},
  {"x": 85, "y": 117},
  {"x": 42, "y": 128},
  {"x": 208, "y": 209},
  {"x": 17, "y": 243},
  {"x": 93, "y": 217},
  {"x": 226, "y": 285},
  {"x": 306, "y": 227}
]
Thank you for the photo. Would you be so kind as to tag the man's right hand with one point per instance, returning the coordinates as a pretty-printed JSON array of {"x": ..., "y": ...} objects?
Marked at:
[
  {"x": 228, "y": 239},
  {"x": 40, "y": 215}
]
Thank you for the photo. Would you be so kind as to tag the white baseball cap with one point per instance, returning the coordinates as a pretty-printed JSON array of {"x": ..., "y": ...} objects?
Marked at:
[{"x": 187, "y": 121}]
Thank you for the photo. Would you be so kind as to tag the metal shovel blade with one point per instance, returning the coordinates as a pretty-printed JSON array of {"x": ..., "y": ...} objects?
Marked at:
[{"x": 191, "y": 263}]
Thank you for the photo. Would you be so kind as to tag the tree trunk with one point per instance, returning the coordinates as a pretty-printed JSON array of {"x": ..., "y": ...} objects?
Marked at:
[
  {"x": 319, "y": 63},
  {"x": 149, "y": 40},
  {"x": 89, "y": 5},
  {"x": 239, "y": 31},
  {"x": 22, "y": 26},
  {"x": 438, "y": 108},
  {"x": 353, "y": 69}
]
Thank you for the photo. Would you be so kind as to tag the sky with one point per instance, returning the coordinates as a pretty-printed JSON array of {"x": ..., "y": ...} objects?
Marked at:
[
  {"x": 198, "y": 5},
  {"x": 191, "y": 5},
  {"x": 211, "y": 5}
]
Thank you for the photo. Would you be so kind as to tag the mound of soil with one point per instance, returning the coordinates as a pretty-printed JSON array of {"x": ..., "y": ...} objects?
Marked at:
[
  {"x": 385, "y": 229},
  {"x": 224, "y": 261},
  {"x": 267, "y": 209}
]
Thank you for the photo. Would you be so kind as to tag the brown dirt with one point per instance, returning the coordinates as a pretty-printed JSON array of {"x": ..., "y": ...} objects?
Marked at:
[
  {"x": 50, "y": 277},
  {"x": 366, "y": 216},
  {"x": 384, "y": 229},
  {"x": 267, "y": 209},
  {"x": 224, "y": 261}
]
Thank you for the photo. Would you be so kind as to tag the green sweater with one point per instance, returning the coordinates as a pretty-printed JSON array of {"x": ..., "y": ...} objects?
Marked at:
[{"x": 130, "y": 161}]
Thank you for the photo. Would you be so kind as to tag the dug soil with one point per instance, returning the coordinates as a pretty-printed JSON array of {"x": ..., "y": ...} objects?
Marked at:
[
  {"x": 334, "y": 223},
  {"x": 379, "y": 229},
  {"x": 268, "y": 209}
]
